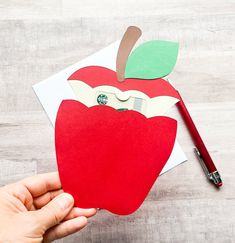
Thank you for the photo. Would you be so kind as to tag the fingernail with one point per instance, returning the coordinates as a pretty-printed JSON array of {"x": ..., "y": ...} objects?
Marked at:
[{"x": 65, "y": 201}]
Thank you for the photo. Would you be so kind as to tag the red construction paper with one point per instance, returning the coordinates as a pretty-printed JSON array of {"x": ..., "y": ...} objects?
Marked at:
[
  {"x": 110, "y": 159},
  {"x": 96, "y": 76}
]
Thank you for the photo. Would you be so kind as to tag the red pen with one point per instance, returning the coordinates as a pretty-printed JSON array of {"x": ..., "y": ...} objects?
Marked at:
[{"x": 200, "y": 150}]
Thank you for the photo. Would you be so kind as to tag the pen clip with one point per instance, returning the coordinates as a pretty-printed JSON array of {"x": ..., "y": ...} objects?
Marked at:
[{"x": 213, "y": 176}]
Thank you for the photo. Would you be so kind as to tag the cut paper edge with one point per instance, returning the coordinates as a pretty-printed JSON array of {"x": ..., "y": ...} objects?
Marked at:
[
  {"x": 96, "y": 76},
  {"x": 156, "y": 106}
]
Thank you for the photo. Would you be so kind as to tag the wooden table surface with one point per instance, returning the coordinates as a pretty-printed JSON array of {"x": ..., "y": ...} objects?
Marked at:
[{"x": 39, "y": 38}]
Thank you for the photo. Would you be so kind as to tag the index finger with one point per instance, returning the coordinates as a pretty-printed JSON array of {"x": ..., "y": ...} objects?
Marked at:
[{"x": 39, "y": 184}]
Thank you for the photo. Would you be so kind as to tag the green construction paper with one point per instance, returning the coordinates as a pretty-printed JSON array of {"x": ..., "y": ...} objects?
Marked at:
[{"x": 152, "y": 59}]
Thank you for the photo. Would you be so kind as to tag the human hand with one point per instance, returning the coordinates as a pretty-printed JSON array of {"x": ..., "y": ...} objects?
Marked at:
[{"x": 37, "y": 210}]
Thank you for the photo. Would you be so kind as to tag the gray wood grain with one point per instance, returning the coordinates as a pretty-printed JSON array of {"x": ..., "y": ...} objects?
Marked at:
[{"x": 38, "y": 39}]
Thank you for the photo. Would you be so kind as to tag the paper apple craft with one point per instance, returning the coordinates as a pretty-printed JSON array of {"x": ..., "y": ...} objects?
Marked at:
[{"x": 110, "y": 159}]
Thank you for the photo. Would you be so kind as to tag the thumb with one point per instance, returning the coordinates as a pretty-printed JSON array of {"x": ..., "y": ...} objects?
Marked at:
[{"x": 55, "y": 211}]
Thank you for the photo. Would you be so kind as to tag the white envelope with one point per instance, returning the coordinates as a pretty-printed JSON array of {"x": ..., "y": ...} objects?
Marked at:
[{"x": 56, "y": 88}]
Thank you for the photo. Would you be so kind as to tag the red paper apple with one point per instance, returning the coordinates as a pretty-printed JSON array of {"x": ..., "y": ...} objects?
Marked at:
[{"x": 110, "y": 159}]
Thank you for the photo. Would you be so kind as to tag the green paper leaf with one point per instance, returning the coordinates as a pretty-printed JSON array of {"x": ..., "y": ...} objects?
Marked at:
[{"x": 152, "y": 59}]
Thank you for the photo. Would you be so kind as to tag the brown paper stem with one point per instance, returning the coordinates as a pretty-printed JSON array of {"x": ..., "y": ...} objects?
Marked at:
[{"x": 128, "y": 41}]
